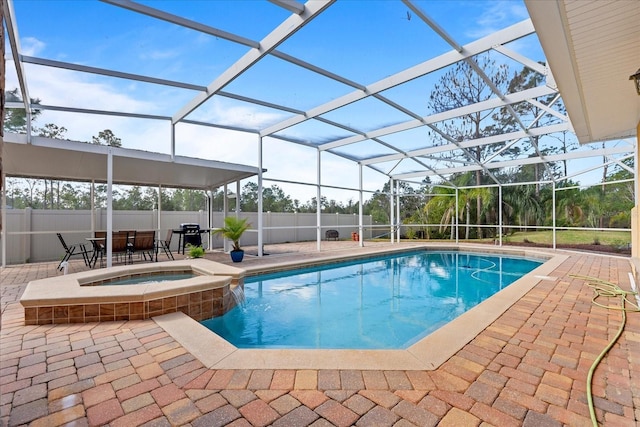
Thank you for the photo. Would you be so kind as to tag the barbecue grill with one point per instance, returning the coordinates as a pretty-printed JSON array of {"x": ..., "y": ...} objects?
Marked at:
[{"x": 189, "y": 234}]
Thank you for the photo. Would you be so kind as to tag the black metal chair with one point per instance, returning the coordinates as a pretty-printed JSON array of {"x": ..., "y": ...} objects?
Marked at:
[
  {"x": 165, "y": 245},
  {"x": 72, "y": 250}
]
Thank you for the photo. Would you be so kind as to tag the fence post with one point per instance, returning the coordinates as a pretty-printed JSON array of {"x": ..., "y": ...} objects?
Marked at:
[{"x": 26, "y": 238}]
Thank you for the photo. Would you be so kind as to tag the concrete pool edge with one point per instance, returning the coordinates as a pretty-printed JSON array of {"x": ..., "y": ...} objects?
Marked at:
[{"x": 427, "y": 354}]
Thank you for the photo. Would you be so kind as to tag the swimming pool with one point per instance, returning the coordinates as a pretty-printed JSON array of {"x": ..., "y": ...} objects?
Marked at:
[{"x": 379, "y": 303}]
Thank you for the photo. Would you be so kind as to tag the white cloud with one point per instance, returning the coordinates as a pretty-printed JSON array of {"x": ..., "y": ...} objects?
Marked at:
[
  {"x": 160, "y": 54},
  {"x": 497, "y": 16},
  {"x": 31, "y": 46}
]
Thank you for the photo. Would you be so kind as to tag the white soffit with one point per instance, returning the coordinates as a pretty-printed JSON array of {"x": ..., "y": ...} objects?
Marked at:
[
  {"x": 77, "y": 161},
  {"x": 592, "y": 47}
]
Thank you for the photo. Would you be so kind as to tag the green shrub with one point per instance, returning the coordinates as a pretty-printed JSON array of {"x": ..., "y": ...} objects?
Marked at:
[{"x": 195, "y": 251}]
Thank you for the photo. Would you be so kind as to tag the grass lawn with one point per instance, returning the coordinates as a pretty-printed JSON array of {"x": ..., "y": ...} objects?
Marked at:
[{"x": 572, "y": 237}]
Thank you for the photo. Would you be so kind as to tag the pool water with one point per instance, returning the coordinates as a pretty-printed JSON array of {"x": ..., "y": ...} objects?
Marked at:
[
  {"x": 381, "y": 303},
  {"x": 147, "y": 279}
]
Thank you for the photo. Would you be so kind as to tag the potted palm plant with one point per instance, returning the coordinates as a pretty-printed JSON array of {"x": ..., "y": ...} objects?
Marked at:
[{"x": 233, "y": 230}]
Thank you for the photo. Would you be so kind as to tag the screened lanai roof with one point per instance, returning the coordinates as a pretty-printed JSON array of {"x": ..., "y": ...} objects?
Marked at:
[{"x": 353, "y": 79}]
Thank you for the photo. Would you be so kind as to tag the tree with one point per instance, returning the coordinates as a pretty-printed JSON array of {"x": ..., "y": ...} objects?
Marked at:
[
  {"x": 53, "y": 131},
  {"x": 442, "y": 207},
  {"x": 106, "y": 137},
  {"x": 537, "y": 117},
  {"x": 15, "y": 119},
  {"x": 521, "y": 205},
  {"x": 462, "y": 86}
]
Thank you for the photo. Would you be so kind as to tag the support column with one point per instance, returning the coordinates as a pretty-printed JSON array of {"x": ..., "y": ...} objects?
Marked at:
[
  {"x": 500, "y": 215},
  {"x": 237, "y": 199},
  {"x": 553, "y": 216},
  {"x": 360, "y": 209},
  {"x": 210, "y": 220},
  {"x": 109, "y": 237},
  {"x": 456, "y": 221},
  {"x": 398, "y": 221},
  {"x": 92, "y": 196},
  {"x": 391, "y": 211},
  {"x": 225, "y": 211},
  {"x": 318, "y": 209},
  {"x": 635, "y": 212},
  {"x": 260, "y": 201},
  {"x": 159, "y": 224},
  {"x": 173, "y": 142},
  {"x": 3, "y": 235}
]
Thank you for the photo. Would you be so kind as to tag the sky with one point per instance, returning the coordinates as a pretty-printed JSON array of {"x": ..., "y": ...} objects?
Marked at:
[{"x": 363, "y": 41}]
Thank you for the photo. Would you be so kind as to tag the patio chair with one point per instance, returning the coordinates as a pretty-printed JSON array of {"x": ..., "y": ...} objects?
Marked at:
[
  {"x": 165, "y": 245},
  {"x": 144, "y": 243},
  {"x": 72, "y": 250},
  {"x": 120, "y": 242}
]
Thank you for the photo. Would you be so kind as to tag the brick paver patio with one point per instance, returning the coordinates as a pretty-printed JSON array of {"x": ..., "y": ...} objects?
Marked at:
[{"x": 527, "y": 368}]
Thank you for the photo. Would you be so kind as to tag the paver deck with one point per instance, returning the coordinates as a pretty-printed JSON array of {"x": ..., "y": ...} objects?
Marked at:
[{"x": 529, "y": 368}]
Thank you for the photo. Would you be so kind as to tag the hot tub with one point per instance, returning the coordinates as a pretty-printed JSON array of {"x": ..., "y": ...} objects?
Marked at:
[{"x": 80, "y": 298}]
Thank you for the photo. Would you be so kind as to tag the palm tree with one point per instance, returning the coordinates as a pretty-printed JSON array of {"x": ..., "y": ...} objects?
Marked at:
[
  {"x": 521, "y": 202},
  {"x": 443, "y": 203},
  {"x": 569, "y": 203}
]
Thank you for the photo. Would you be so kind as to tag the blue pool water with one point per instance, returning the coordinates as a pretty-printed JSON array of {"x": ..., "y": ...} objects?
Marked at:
[{"x": 381, "y": 303}]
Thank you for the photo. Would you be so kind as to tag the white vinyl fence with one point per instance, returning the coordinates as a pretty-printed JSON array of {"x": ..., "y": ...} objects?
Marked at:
[{"x": 31, "y": 233}]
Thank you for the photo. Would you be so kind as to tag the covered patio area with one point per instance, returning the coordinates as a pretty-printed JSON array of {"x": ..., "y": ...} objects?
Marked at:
[{"x": 529, "y": 367}]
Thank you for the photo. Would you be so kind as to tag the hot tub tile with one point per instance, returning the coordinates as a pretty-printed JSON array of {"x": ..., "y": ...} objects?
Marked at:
[
  {"x": 61, "y": 314},
  {"x": 155, "y": 305},
  {"x": 30, "y": 315},
  {"x": 76, "y": 311},
  {"x": 183, "y": 300},
  {"x": 121, "y": 309},
  {"x": 45, "y": 313},
  {"x": 170, "y": 303},
  {"x": 136, "y": 308},
  {"x": 195, "y": 298},
  {"x": 92, "y": 310},
  {"x": 195, "y": 310},
  {"x": 107, "y": 310},
  {"x": 207, "y": 295},
  {"x": 207, "y": 309}
]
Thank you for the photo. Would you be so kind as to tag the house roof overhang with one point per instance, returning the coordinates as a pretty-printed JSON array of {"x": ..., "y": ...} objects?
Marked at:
[{"x": 592, "y": 47}]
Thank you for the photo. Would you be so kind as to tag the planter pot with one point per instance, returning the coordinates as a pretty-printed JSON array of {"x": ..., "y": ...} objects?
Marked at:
[{"x": 236, "y": 256}]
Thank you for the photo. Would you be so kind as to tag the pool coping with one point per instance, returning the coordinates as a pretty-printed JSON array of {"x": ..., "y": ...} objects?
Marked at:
[{"x": 427, "y": 354}]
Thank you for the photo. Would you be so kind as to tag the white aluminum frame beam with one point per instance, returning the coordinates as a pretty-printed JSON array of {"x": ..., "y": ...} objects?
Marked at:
[
  {"x": 507, "y": 35},
  {"x": 187, "y": 23},
  {"x": 446, "y": 115},
  {"x": 519, "y": 162},
  {"x": 285, "y": 30},
  {"x": 291, "y": 5},
  {"x": 14, "y": 41},
  {"x": 468, "y": 144},
  {"x": 109, "y": 73}
]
